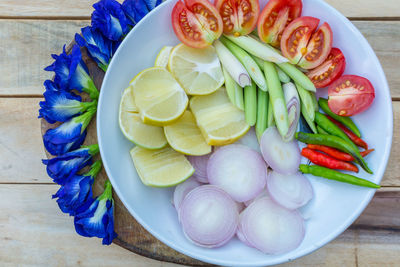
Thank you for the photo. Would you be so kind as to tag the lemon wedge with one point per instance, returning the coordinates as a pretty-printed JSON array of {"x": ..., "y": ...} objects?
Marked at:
[
  {"x": 161, "y": 168},
  {"x": 158, "y": 96},
  {"x": 127, "y": 101},
  {"x": 185, "y": 136},
  {"x": 197, "y": 70},
  {"x": 144, "y": 135},
  {"x": 163, "y": 56},
  {"x": 220, "y": 122}
]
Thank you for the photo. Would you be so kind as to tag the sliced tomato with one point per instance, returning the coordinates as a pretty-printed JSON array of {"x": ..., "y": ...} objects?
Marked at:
[
  {"x": 350, "y": 95},
  {"x": 196, "y": 23},
  {"x": 296, "y": 36},
  {"x": 275, "y": 16},
  {"x": 239, "y": 17},
  {"x": 330, "y": 70},
  {"x": 318, "y": 48}
]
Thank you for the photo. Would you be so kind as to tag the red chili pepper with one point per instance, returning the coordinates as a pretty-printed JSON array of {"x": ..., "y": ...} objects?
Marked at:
[
  {"x": 333, "y": 152},
  {"x": 327, "y": 161},
  {"x": 356, "y": 140}
]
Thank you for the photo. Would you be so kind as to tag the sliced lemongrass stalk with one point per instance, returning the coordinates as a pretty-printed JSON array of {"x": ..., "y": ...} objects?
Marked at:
[
  {"x": 259, "y": 61},
  {"x": 232, "y": 65},
  {"x": 297, "y": 76},
  {"x": 248, "y": 62},
  {"x": 270, "y": 118},
  {"x": 315, "y": 101},
  {"x": 262, "y": 112},
  {"x": 293, "y": 105},
  {"x": 258, "y": 49},
  {"x": 306, "y": 101},
  {"x": 250, "y": 104},
  {"x": 234, "y": 91},
  {"x": 310, "y": 122},
  {"x": 283, "y": 77},
  {"x": 278, "y": 101}
]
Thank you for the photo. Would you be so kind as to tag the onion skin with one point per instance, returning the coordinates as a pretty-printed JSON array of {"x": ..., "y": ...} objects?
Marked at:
[
  {"x": 181, "y": 190},
  {"x": 209, "y": 216}
]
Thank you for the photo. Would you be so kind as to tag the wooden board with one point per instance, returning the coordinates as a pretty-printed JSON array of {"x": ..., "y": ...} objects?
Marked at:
[
  {"x": 83, "y": 8},
  {"x": 23, "y": 76},
  {"x": 132, "y": 236}
]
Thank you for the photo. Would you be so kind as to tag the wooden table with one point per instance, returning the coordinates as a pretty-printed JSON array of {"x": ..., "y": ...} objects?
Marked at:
[{"x": 32, "y": 229}]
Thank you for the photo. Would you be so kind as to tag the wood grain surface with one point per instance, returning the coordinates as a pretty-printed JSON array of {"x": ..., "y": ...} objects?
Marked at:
[
  {"x": 33, "y": 231},
  {"x": 83, "y": 8}
]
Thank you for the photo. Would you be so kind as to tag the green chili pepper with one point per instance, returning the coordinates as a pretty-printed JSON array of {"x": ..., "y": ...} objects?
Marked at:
[
  {"x": 332, "y": 128},
  {"x": 335, "y": 175},
  {"x": 336, "y": 142},
  {"x": 323, "y": 103},
  {"x": 320, "y": 130}
]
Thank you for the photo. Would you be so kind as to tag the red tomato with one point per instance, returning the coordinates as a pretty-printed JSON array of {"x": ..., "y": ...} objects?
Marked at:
[
  {"x": 350, "y": 95},
  {"x": 296, "y": 36},
  {"x": 196, "y": 23},
  {"x": 239, "y": 17},
  {"x": 275, "y": 16},
  {"x": 318, "y": 48},
  {"x": 330, "y": 70}
]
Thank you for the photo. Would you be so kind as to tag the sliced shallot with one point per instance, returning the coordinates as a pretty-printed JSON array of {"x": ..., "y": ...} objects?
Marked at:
[
  {"x": 209, "y": 216},
  {"x": 283, "y": 157},
  {"x": 293, "y": 106},
  {"x": 250, "y": 140},
  {"x": 263, "y": 193},
  {"x": 238, "y": 170},
  {"x": 199, "y": 164},
  {"x": 181, "y": 190},
  {"x": 289, "y": 190},
  {"x": 270, "y": 227}
]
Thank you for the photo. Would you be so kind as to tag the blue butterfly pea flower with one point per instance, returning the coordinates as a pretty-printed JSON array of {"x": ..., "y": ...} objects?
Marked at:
[
  {"x": 72, "y": 73},
  {"x": 60, "y": 67},
  {"x": 69, "y": 135},
  {"x": 99, "y": 48},
  {"x": 77, "y": 190},
  {"x": 51, "y": 86},
  {"x": 109, "y": 18},
  {"x": 96, "y": 217},
  {"x": 62, "y": 106},
  {"x": 135, "y": 10},
  {"x": 61, "y": 167}
]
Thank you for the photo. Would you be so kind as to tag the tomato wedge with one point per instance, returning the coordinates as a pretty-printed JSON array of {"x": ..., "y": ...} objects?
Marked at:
[
  {"x": 196, "y": 23},
  {"x": 350, "y": 95},
  {"x": 296, "y": 36},
  {"x": 330, "y": 70},
  {"x": 318, "y": 48},
  {"x": 275, "y": 16},
  {"x": 239, "y": 17}
]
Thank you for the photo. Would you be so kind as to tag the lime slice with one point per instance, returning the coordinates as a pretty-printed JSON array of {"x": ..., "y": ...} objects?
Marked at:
[
  {"x": 220, "y": 122},
  {"x": 158, "y": 96},
  {"x": 163, "y": 56},
  {"x": 197, "y": 70},
  {"x": 127, "y": 101},
  {"x": 161, "y": 168},
  {"x": 146, "y": 136},
  {"x": 185, "y": 136}
]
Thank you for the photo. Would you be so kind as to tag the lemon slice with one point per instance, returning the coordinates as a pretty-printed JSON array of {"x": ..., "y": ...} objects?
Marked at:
[
  {"x": 158, "y": 96},
  {"x": 220, "y": 122},
  {"x": 197, "y": 70},
  {"x": 163, "y": 56},
  {"x": 144, "y": 135},
  {"x": 127, "y": 101},
  {"x": 161, "y": 168},
  {"x": 185, "y": 136}
]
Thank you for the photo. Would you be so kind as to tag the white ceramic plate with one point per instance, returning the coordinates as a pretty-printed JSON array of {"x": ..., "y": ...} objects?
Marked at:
[{"x": 335, "y": 205}]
